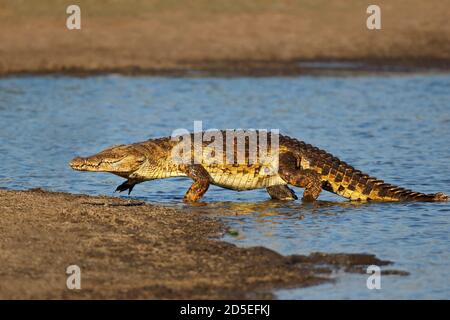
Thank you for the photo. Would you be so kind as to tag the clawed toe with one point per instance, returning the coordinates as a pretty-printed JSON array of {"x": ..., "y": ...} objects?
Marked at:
[{"x": 125, "y": 186}]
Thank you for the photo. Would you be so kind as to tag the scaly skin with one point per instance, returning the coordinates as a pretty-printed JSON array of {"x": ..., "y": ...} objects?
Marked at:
[{"x": 300, "y": 165}]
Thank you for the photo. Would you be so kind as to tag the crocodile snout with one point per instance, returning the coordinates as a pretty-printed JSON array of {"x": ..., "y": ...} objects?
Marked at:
[{"x": 77, "y": 163}]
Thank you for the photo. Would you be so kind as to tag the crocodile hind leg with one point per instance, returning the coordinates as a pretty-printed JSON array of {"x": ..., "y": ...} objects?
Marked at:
[
  {"x": 201, "y": 182},
  {"x": 127, "y": 185},
  {"x": 303, "y": 178},
  {"x": 281, "y": 192}
]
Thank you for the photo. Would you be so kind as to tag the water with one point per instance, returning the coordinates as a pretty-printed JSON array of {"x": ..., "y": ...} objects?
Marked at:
[{"x": 394, "y": 127}]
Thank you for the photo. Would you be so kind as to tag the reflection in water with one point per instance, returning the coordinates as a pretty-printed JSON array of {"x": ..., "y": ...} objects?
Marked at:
[
  {"x": 394, "y": 127},
  {"x": 267, "y": 208}
]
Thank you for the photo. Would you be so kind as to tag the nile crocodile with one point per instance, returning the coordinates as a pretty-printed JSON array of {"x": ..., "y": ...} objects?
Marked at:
[{"x": 299, "y": 164}]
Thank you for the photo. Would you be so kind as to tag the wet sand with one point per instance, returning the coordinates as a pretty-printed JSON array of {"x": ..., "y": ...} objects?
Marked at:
[
  {"x": 128, "y": 249},
  {"x": 251, "y": 37}
]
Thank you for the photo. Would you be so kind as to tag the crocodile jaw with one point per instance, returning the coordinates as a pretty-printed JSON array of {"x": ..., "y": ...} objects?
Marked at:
[
  {"x": 93, "y": 164},
  {"x": 118, "y": 160}
]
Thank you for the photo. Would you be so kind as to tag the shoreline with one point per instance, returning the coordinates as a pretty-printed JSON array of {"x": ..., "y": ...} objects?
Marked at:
[
  {"x": 244, "y": 68},
  {"x": 128, "y": 249}
]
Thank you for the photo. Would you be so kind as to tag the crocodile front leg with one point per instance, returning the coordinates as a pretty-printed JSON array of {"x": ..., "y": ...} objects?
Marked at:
[
  {"x": 201, "y": 182},
  {"x": 303, "y": 178},
  {"x": 281, "y": 192},
  {"x": 127, "y": 185}
]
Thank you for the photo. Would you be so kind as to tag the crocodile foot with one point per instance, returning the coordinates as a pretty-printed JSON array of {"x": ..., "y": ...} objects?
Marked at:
[{"x": 127, "y": 185}]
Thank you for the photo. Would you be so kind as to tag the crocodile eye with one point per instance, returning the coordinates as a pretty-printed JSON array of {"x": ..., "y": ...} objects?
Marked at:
[
  {"x": 140, "y": 159},
  {"x": 114, "y": 146}
]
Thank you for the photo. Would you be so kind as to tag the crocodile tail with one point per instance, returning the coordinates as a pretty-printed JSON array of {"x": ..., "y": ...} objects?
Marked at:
[
  {"x": 440, "y": 196},
  {"x": 387, "y": 192},
  {"x": 355, "y": 185},
  {"x": 341, "y": 178}
]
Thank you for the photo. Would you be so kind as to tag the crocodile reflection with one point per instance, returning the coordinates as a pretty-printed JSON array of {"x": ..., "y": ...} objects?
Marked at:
[{"x": 272, "y": 207}]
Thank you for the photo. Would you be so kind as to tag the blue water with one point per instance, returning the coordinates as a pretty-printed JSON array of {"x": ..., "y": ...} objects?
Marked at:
[{"x": 394, "y": 127}]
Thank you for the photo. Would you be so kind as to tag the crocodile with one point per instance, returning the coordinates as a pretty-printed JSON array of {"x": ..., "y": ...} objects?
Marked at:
[{"x": 298, "y": 164}]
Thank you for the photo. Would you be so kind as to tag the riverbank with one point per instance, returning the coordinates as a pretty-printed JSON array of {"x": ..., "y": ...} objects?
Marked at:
[
  {"x": 134, "y": 250},
  {"x": 251, "y": 37}
]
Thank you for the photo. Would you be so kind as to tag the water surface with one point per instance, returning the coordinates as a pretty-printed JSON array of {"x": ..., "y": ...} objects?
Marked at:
[{"x": 394, "y": 127}]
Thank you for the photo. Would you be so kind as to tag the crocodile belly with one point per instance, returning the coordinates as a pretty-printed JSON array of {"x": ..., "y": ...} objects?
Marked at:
[{"x": 241, "y": 181}]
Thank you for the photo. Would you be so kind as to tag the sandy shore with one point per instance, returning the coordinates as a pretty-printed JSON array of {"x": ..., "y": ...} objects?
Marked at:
[
  {"x": 251, "y": 37},
  {"x": 130, "y": 249}
]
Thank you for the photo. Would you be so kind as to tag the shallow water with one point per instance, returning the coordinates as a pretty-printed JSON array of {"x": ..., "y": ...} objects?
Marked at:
[{"x": 396, "y": 128}]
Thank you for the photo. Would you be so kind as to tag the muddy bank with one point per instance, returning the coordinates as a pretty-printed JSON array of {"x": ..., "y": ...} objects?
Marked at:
[
  {"x": 130, "y": 249},
  {"x": 250, "y": 37},
  {"x": 249, "y": 68}
]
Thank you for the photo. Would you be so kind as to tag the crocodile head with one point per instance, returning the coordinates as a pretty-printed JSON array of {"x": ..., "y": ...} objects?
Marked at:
[{"x": 121, "y": 160}]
